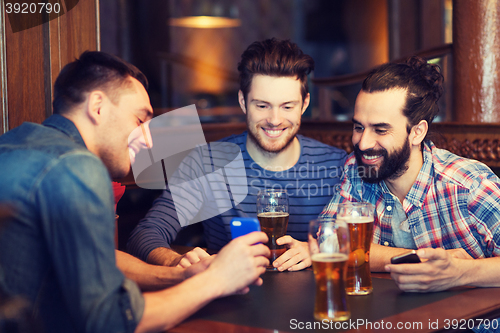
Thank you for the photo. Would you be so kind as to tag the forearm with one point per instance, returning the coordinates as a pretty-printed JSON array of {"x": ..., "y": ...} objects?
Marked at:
[
  {"x": 236, "y": 266},
  {"x": 148, "y": 277},
  {"x": 480, "y": 272},
  {"x": 381, "y": 255},
  {"x": 164, "y": 256},
  {"x": 167, "y": 308}
]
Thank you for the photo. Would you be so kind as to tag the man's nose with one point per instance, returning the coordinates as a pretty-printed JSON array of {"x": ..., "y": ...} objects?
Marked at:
[
  {"x": 366, "y": 141},
  {"x": 274, "y": 118}
]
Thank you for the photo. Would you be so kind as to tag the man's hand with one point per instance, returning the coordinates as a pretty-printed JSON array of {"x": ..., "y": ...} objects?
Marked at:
[
  {"x": 240, "y": 263},
  {"x": 441, "y": 270},
  {"x": 167, "y": 257},
  {"x": 459, "y": 253},
  {"x": 192, "y": 257},
  {"x": 198, "y": 267},
  {"x": 295, "y": 258}
]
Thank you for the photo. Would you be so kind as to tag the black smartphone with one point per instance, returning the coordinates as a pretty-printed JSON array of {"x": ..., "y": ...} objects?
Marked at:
[
  {"x": 406, "y": 258},
  {"x": 243, "y": 225}
]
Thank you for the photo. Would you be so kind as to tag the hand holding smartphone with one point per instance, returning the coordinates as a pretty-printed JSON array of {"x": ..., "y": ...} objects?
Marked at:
[
  {"x": 244, "y": 225},
  {"x": 406, "y": 258}
]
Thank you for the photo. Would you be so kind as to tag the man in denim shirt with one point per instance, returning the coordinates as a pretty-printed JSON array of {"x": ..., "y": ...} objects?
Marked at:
[{"x": 57, "y": 249}]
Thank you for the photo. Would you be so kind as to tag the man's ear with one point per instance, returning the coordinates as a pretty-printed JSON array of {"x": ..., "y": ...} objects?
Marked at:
[
  {"x": 95, "y": 104},
  {"x": 418, "y": 132},
  {"x": 241, "y": 99},
  {"x": 307, "y": 100}
]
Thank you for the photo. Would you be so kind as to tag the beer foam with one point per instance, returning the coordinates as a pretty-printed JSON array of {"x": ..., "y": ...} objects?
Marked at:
[
  {"x": 355, "y": 219},
  {"x": 273, "y": 214},
  {"x": 329, "y": 257}
]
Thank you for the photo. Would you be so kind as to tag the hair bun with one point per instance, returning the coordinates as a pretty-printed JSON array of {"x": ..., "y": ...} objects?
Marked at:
[{"x": 431, "y": 73}]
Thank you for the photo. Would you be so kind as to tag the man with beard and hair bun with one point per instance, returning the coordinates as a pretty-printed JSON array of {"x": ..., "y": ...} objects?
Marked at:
[
  {"x": 442, "y": 205},
  {"x": 273, "y": 94}
]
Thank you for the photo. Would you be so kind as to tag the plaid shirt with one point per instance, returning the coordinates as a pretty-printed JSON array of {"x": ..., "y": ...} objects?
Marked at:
[{"x": 454, "y": 203}]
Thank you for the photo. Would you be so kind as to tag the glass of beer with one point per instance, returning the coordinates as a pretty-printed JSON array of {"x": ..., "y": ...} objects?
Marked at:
[
  {"x": 272, "y": 212},
  {"x": 359, "y": 219},
  {"x": 329, "y": 249}
]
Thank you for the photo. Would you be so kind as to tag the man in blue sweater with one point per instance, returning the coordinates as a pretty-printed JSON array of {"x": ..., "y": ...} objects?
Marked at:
[{"x": 273, "y": 95}]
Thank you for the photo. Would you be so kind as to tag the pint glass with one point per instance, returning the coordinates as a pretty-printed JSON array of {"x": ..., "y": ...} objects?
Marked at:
[
  {"x": 272, "y": 212},
  {"x": 329, "y": 249},
  {"x": 359, "y": 219}
]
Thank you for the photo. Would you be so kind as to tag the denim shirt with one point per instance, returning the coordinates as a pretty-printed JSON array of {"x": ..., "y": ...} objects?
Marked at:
[{"x": 58, "y": 249}]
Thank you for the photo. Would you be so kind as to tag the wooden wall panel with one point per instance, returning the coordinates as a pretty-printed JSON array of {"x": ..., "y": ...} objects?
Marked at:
[
  {"x": 25, "y": 75},
  {"x": 71, "y": 34},
  {"x": 34, "y": 57},
  {"x": 3, "y": 73}
]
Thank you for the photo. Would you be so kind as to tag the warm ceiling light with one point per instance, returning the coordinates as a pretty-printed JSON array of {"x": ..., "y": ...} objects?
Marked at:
[{"x": 205, "y": 22}]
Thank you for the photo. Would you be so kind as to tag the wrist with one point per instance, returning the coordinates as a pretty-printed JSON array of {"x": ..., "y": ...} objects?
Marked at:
[
  {"x": 170, "y": 275},
  {"x": 172, "y": 260},
  {"x": 164, "y": 256},
  {"x": 215, "y": 287},
  {"x": 380, "y": 255},
  {"x": 471, "y": 270}
]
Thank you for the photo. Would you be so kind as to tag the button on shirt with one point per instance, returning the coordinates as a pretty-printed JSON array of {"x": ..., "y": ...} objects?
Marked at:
[
  {"x": 453, "y": 203},
  {"x": 401, "y": 236}
]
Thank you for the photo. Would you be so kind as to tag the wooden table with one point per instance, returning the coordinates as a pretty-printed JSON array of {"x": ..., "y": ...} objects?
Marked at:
[{"x": 285, "y": 303}]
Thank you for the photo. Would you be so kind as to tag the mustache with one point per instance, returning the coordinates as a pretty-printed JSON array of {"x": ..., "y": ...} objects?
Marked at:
[{"x": 369, "y": 152}]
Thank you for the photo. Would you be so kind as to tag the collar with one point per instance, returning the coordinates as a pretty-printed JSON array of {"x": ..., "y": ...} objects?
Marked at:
[
  {"x": 65, "y": 126},
  {"x": 424, "y": 180}
]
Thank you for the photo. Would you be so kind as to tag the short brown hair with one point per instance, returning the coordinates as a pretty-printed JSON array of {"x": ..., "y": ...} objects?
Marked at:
[
  {"x": 280, "y": 58},
  {"x": 93, "y": 70}
]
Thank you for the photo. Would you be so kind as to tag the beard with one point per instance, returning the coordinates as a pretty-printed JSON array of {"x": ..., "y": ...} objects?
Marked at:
[
  {"x": 273, "y": 148},
  {"x": 393, "y": 165}
]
